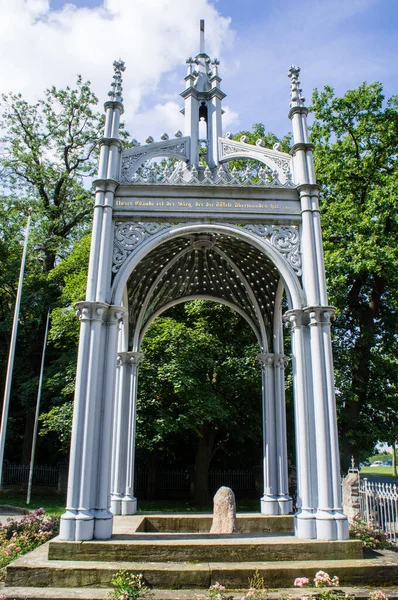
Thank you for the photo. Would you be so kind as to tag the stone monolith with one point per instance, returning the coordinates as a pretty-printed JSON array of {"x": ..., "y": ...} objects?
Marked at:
[{"x": 224, "y": 512}]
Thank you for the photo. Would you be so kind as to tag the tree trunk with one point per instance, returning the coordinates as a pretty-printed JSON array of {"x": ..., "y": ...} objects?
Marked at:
[
  {"x": 394, "y": 459},
  {"x": 363, "y": 316},
  {"x": 204, "y": 454}
]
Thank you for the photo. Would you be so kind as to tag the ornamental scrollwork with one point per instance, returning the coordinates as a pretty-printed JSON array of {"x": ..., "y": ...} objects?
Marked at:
[
  {"x": 274, "y": 158},
  {"x": 132, "y": 159},
  {"x": 129, "y": 236},
  {"x": 284, "y": 238}
]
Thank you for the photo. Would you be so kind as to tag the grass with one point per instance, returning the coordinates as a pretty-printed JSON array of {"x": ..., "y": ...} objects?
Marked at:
[
  {"x": 386, "y": 471},
  {"x": 54, "y": 505}
]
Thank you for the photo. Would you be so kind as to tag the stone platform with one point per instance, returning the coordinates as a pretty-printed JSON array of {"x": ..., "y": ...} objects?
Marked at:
[{"x": 193, "y": 560}]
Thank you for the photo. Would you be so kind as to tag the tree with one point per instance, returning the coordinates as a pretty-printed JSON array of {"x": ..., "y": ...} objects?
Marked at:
[
  {"x": 356, "y": 139},
  {"x": 200, "y": 380},
  {"x": 49, "y": 150}
]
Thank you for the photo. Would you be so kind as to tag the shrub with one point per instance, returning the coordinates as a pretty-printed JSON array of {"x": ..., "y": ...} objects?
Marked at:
[
  {"x": 19, "y": 537},
  {"x": 370, "y": 538},
  {"x": 128, "y": 586}
]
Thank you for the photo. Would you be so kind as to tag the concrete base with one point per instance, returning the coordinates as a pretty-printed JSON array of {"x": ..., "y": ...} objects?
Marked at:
[
  {"x": 191, "y": 561},
  {"x": 36, "y": 570},
  {"x": 269, "y": 505},
  {"x": 35, "y": 593},
  {"x": 129, "y": 505}
]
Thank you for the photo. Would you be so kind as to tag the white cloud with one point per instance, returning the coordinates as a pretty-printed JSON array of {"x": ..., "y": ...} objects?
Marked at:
[
  {"x": 161, "y": 118},
  {"x": 46, "y": 47},
  {"x": 230, "y": 118}
]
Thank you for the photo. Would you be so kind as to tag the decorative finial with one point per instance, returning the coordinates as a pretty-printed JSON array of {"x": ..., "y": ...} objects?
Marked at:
[
  {"x": 202, "y": 36},
  {"x": 295, "y": 94},
  {"x": 116, "y": 86},
  {"x": 215, "y": 63}
]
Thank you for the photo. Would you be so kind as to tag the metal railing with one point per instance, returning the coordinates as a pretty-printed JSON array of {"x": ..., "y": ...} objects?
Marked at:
[
  {"x": 379, "y": 507},
  {"x": 236, "y": 480},
  {"x": 19, "y": 475}
]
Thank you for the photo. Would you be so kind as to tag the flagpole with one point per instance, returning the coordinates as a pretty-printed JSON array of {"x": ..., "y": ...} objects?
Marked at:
[
  {"x": 32, "y": 457},
  {"x": 10, "y": 365}
]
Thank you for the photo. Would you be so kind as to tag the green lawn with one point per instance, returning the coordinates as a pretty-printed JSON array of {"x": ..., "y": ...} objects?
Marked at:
[
  {"x": 377, "y": 471},
  {"x": 54, "y": 505}
]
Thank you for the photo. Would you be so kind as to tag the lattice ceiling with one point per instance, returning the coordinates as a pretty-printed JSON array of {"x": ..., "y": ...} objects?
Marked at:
[{"x": 213, "y": 266}]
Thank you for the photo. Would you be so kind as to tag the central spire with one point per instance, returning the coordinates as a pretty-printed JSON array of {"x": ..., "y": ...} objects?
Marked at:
[{"x": 203, "y": 111}]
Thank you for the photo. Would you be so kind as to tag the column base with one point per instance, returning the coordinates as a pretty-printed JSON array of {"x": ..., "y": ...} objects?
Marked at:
[
  {"x": 342, "y": 525},
  {"x": 116, "y": 504},
  {"x": 305, "y": 525},
  {"x": 129, "y": 505},
  {"x": 103, "y": 524},
  {"x": 84, "y": 525},
  {"x": 269, "y": 505},
  {"x": 67, "y": 526},
  {"x": 285, "y": 505},
  {"x": 326, "y": 525}
]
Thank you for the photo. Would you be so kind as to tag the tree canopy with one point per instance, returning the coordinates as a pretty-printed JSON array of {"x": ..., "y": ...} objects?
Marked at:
[{"x": 356, "y": 138}]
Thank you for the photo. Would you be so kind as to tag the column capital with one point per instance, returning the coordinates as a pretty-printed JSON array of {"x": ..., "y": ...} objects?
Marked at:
[
  {"x": 105, "y": 185},
  {"x": 280, "y": 361},
  {"x": 297, "y": 318},
  {"x": 320, "y": 315},
  {"x": 131, "y": 359},
  {"x": 100, "y": 311},
  {"x": 266, "y": 359},
  {"x": 301, "y": 146},
  {"x": 301, "y": 110},
  {"x": 91, "y": 311},
  {"x": 114, "y": 104},
  {"x": 270, "y": 359},
  {"x": 116, "y": 314},
  {"x": 309, "y": 189}
]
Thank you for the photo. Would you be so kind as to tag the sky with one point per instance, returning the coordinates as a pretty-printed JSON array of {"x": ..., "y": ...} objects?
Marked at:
[{"x": 335, "y": 42}]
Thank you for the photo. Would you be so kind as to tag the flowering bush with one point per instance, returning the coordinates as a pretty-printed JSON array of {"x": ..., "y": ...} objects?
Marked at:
[
  {"x": 128, "y": 586},
  {"x": 370, "y": 538},
  {"x": 216, "y": 592},
  {"x": 301, "y": 581},
  {"x": 323, "y": 579},
  {"x": 19, "y": 537},
  {"x": 378, "y": 595}
]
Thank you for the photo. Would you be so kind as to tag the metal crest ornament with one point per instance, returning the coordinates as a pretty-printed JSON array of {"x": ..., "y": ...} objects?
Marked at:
[
  {"x": 284, "y": 238},
  {"x": 132, "y": 158},
  {"x": 129, "y": 235},
  {"x": 274, "y": 159}
]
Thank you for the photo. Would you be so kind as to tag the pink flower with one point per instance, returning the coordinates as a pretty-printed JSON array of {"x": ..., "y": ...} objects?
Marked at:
[{"x": 301, "y": 581}]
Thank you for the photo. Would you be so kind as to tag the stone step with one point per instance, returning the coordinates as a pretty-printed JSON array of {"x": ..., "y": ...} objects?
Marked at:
[
  {"x": 19, "y": 593},
  {"x": 203, "y": 548},
  {"x": 35, "y": 570}
]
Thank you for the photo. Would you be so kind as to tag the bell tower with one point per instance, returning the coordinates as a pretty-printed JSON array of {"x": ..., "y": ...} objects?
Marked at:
[{"x": 203, "y": 111}]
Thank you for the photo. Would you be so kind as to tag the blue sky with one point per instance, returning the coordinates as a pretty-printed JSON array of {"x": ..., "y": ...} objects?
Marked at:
[{"x": 336, "y": 42}]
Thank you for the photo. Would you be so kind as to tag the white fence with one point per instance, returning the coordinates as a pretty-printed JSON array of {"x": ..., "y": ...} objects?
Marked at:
[{"x": 379, "y": 507}]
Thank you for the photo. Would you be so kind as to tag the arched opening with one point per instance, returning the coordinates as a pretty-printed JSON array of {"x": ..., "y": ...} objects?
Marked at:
[
  {"x": 226, "y": 266},
  {"x": 200, "y": 390}
]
